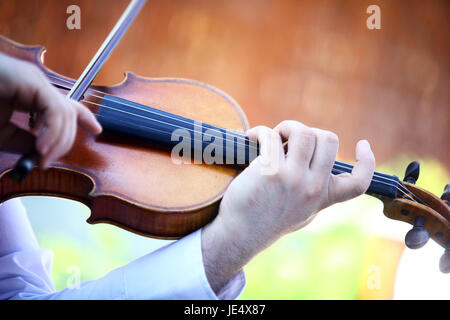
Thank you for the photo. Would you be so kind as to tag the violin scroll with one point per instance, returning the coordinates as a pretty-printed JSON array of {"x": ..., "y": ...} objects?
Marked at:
[
  {"x": 446, "y": 195},
  {"x": 444, "y": 263},
  {"x": 429, "y": 215}
]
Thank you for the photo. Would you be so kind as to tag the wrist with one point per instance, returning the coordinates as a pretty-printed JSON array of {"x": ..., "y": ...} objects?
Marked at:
[
  {"x": 228, "y": 245},
  {"x": 223, "y": 254}
]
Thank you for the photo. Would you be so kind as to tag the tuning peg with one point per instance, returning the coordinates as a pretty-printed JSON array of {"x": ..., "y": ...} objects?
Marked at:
[
  {"x": 417, "y": 237},
  {"x": 446, "y": 194},
  {"x": 444, "y": 263},
  {"x": 412, "y": 172}
]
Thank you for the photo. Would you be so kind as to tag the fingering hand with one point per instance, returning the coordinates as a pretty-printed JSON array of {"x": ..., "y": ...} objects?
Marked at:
[{"x": 279, "y": 193}]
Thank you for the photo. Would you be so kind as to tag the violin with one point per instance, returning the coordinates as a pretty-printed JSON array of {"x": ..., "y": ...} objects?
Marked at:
[{"x": 128, "y": 178}]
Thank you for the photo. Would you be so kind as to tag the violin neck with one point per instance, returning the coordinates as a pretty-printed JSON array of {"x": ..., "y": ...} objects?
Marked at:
[{"x": 203, "y": 142}]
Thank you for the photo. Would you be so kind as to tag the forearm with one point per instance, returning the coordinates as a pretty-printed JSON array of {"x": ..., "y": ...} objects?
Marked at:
[
  {"x": 220, "y": 261},
  {"x": 226, "y": 251}
]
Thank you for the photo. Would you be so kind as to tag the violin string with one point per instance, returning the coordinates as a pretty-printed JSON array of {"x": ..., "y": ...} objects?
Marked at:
[
  {"x": 145, "y": 110},
  {"x": 236, "y": 134},
  {"x": 163, "y": 122},
  {"x": 384, "y": 180},
  {"x": 91, "y": 102},
  {"x": 337, "y": 165},
  {"x": 232, "y": 132},
  {"x": 392, "y": 185},
  {"x": 399, "y": 186},
  {"x": 150, "y": 111},
  {"x": 402, "y": 186},
  {"x": 188, "y": 129}
]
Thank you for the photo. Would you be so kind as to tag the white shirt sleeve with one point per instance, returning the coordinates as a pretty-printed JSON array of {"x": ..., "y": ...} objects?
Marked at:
[{"x": 175, "y": 271}]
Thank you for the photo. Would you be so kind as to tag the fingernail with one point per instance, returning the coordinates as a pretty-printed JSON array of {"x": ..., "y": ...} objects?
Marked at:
[
  {"x": 99, "y": 126},
  {"x": 43, "y": 149}
]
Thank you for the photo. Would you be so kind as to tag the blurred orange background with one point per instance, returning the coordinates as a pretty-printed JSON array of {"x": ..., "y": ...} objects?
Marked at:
[{"x": 314, "y": 61}]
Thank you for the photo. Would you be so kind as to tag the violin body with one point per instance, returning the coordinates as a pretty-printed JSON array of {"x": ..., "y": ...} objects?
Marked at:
[{"x": 133, "y": 184}]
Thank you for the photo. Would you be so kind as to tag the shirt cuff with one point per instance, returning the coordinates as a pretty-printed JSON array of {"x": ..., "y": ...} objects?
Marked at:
[
  {"x": 176, "y": 271},
  {"x": 26, "y": 274}
]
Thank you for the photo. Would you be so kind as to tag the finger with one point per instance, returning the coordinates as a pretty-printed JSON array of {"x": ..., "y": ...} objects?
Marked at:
[
  {"x": 87, "y": 119},
  {"x": 301, "y": 142},
  {"x": 343, "y": 187},
  {"x": 285, "y": 128},
  {"x": 16, "y": 140},
  {"x": 327, "y": 144},
  {"x": 73, "y": 133},
  {"x": 31, "y": 90},
  {"x": 52, "y": 131},
  {"x": 268, "y": 140},
  {"x": 55, "y": 148},
  {"x": 270, "y": 146},
  {"x": 70, "y": 129},
  {"x": 51, "y": 105},
  {"x": 64, "y": 142}
]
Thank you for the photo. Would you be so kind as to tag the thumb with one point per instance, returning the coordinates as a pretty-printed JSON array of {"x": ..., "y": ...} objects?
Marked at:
[
  {"x": 346, "y": 186},
  {"x": 87, "y": 119}
]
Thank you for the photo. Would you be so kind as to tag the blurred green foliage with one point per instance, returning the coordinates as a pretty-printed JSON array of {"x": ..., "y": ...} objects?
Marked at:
[{"x": 309, "y": 265}]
